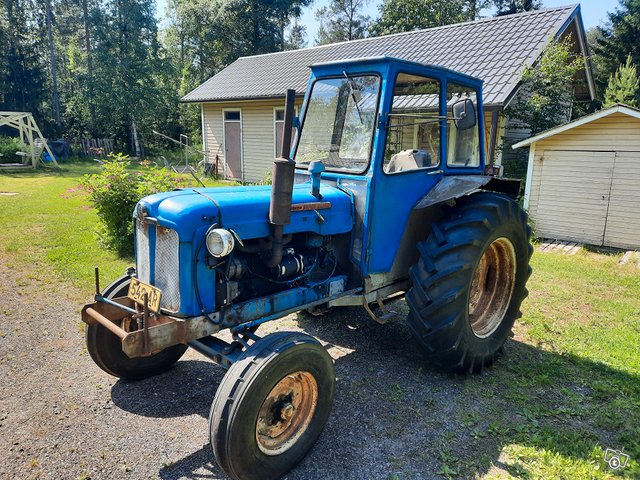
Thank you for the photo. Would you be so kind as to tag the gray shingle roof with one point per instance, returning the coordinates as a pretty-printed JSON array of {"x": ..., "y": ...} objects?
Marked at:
[{"x": 493, "y": 49}]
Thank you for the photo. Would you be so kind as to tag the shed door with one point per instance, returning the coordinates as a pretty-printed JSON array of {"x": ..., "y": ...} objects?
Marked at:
[
  {"x": 233, "y": 144},
  {"x": 623, "y": 219},
  {"x": 574, "y": 195}
]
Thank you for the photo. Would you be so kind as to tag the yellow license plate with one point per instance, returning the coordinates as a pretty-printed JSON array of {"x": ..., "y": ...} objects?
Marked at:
[{"x": 137, "y": 291}]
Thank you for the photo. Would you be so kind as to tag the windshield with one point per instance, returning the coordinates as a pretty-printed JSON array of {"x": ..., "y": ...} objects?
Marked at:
[{"x": 338, "y": 124}]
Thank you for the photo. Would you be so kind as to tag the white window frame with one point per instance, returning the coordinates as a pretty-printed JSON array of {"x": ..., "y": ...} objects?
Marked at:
[{"x": 224, "y": 140}]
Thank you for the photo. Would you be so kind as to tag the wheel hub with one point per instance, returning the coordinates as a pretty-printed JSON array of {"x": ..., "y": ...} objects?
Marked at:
[
  {"x": 286, "y": 413},
  {"x": 492, "y": 287}
]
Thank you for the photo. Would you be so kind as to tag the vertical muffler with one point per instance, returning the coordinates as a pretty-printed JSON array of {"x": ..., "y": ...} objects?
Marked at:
[{"x": 282, "y": 185}]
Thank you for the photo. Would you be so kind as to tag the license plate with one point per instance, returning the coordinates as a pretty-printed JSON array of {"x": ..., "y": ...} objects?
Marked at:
[{"x": 137, "y": 291}]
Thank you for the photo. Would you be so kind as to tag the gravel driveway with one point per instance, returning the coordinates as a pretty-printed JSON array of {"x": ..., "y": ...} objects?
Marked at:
[{"x": 63, "y": 418}]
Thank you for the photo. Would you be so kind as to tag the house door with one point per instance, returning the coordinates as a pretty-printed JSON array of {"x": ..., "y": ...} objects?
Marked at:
[
  {"x": 233, "y": 144},
  {"x": 574, "y": 195}
]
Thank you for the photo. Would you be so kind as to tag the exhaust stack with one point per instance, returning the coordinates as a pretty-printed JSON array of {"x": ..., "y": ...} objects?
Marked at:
[{"x": 282, "y": 185}]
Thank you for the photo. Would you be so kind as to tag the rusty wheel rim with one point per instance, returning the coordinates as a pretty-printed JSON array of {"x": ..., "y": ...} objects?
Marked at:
[
  {"x": 286, "y": 413},
  {"x": 492, "y": 287}
]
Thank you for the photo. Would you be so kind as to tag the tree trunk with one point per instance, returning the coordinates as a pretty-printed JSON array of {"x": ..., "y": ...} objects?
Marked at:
[
  {"x": 87, "y": 45},
  {"x": 136, "y": 143},
  {"x": 54, "y": 76}
]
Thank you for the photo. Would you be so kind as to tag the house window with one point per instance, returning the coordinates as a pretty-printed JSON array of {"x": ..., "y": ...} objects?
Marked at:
[
  {"x": 463, "y": 146},
  {"x": 278, "y": 128},
  {"x": 413, "y": 136}
]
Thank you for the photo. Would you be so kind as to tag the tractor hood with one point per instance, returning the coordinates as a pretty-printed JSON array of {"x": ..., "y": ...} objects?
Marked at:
[{"x": 245, "y": 210}]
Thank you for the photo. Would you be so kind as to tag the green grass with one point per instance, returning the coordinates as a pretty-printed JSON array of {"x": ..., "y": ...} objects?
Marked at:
[
  {"x": 50, "y": 224},
  {"x": 568, "y": 388}
]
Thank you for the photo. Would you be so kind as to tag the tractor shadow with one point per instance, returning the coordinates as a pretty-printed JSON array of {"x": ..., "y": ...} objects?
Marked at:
[{"x": 395, "y": 415}]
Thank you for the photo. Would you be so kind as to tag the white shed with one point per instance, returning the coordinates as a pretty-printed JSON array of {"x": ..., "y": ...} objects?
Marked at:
[{"x": 583, "y": 179}]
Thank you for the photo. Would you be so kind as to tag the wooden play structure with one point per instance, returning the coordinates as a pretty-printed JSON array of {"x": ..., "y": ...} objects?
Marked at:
[{"x": 31, "y": 136}]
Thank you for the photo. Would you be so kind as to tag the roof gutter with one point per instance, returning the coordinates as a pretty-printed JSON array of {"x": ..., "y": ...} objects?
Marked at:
[{"x": 237, "y": 99}]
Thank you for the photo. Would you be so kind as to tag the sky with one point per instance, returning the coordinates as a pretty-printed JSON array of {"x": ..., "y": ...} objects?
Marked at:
[{"x": 594, "y": 12}]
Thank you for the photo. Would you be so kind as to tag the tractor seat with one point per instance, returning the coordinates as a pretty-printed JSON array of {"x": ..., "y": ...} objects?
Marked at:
[{"x": 409, "y": 160}]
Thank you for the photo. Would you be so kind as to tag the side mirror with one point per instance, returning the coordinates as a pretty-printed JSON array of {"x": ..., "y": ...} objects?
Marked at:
[{"x": 464, "y": 114}]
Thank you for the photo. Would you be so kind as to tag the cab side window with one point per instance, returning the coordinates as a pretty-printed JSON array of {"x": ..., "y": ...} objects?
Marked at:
[
  {"x": 413, "y": 134},
  {"x": 463, "y": 144}
]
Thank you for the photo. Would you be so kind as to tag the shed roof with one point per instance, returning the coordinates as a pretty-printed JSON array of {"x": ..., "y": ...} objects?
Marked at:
[
  {"x": 619, "y": 108},
  {"x": 493, "y": 49}
]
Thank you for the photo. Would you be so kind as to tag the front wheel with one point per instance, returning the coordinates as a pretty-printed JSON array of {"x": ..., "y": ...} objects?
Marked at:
[
  {"x": 470, "y": 281},
  {"x": 271, "y": 406},
  {"x": 105, "y": 348}
]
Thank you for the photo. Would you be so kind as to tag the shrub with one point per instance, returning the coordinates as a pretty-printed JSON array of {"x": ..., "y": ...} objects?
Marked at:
[
  {"x": 114, "y": 193},
  {"x": 8, "y": 148}
]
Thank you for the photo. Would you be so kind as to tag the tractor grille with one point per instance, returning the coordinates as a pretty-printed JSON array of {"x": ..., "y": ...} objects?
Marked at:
[
  {"x": 166, "y": 274},
  {"x": 142, "y": 251},
  {"x": 167, "y": 271}
]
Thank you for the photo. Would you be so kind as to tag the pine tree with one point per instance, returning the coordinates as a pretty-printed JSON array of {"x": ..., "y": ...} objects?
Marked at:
[
  {"x": 342, "y": 20},
  {"x": 618, "y": 38},
  {"x": 624, "y": 86}
]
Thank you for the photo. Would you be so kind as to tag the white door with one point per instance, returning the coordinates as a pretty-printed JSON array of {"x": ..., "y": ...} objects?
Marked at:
[
  {"x": 623, "y": 219},
  {"x": 574, "y": 195}
]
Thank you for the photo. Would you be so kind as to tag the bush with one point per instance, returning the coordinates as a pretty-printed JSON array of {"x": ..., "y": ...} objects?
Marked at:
[
  {"x": 8, "y": 148},
  {"x": 114, "y": 193}
]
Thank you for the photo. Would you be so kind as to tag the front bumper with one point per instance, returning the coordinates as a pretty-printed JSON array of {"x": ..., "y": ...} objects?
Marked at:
[{"x": 158, "y": 332}]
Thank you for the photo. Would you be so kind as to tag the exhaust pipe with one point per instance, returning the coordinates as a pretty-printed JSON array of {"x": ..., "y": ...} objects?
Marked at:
[{"x": 282, "y": 185}]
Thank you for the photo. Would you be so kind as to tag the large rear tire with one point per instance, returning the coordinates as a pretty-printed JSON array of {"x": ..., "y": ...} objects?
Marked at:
[
  {"x": 271, "y": 406},
  {"x": 106, "y": 349},
  {"x": 470, "y": 281}
]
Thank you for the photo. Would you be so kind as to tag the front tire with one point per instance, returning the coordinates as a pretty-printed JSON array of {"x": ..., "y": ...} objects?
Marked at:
[
  {"x": 470, "y": 281},
  {"x": 105, "y": 348},
  {"x": 271, "y": 406}
]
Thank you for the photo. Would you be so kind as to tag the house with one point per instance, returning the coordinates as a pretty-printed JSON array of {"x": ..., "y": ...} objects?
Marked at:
[
  {"x": 583, "y": 177},
  {"x": 242, "y": 107}
]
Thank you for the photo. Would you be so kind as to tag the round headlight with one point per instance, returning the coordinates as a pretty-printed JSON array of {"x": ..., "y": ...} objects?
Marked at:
[{"x": 220, "y": 242}]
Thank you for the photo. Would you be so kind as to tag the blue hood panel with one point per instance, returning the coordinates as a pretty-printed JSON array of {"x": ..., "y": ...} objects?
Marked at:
[{"x": 245, "y": 210}]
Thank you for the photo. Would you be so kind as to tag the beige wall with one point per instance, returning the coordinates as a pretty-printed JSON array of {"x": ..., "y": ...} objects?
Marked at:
[
  {"x": 258, "y": 145},
  {"x": 257, "y": 119},
  {"x": 600, "y": 153}
]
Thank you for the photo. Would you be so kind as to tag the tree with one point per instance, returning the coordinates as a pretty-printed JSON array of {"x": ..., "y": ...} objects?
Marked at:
[
  {"x": 545, "y": 98},
  {"x": 398, "y": 16},
  {"x": 624, "y": 86},
  {"x": 297, "y": 36},
  {"x": 342, "y": 20},
  {"x": 23, "y": 85},
  {"x": 508, "y": 7},
  {"x": 618, "y": 39}
]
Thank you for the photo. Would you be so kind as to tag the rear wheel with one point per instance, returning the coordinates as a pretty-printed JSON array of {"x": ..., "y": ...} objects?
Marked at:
[
  {"x": 470, "y": 281},
  {"x": 105, "y": 348},
  {"x": 271, "y": 406}
]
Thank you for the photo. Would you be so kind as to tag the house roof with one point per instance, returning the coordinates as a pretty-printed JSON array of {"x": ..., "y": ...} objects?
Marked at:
[
  {"x": 619, "y": 108},
  {"x": 493, "y": 49}
]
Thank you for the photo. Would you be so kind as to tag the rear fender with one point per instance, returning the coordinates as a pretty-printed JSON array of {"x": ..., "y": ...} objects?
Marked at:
[{"x": 456, "y": 186}]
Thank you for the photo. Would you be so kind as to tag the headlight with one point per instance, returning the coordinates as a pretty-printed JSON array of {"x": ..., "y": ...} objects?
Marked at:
[{"x": 220, "y": 242}]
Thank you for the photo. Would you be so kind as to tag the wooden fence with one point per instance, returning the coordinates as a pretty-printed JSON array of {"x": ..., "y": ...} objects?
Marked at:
[{"x": 92, "y": 147}]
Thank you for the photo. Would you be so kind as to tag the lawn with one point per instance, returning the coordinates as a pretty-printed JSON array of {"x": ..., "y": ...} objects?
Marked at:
[
  {"x": 50, "y": 221},
  {"x": 568, "y": 388}
]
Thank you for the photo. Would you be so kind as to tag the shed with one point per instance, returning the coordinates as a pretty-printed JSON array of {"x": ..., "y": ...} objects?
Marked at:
[
  {"x": 583, "y": 178},
  {"x": 242, "y": 106}
]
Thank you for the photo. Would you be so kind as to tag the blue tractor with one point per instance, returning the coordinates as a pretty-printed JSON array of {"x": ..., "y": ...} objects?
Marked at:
[{"x": 386, "y": 193}]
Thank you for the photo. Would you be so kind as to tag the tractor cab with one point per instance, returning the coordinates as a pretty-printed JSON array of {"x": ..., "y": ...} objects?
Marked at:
[{"x": 387, "y": 131}]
